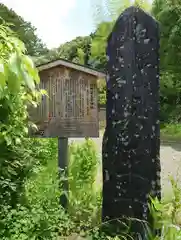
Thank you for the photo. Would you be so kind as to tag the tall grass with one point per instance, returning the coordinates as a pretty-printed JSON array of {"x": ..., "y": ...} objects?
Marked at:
[
  {"x": 43, "y": 218},
  {"x": 167, "y": 215},
  {"x": 171, "y": 131},
  {"x": 84, "y": 198}
]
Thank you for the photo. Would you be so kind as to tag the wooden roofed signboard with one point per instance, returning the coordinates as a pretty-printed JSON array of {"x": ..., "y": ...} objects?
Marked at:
[{"x": 71, "y": 107}]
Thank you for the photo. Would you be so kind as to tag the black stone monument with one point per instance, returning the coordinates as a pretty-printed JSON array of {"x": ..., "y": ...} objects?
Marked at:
[{"x": 131, "y": 141}]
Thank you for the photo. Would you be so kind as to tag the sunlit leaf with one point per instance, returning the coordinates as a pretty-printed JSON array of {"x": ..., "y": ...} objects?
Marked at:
[
  {"x": 25, "y": 130},
  {"x": 2, "y": 75},
  {"x": 43, "y": 92},
  {"x": 13, "y": 82},
  {"x": 30, "y": 67},
  {"x": 33, "y": 126},
  {"x": 15, "y": 65},
  {"x": 17, "y": 140},
  {"x": 81, "y": 55},
  {"x": 28, "y": 80},
  {"x": 18, "y": 44},
  {"x": 8, "y": 139}
]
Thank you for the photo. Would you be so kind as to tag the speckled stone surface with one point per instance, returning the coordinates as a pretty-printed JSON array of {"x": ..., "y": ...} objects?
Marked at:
[{"x": 131, "y": 141}]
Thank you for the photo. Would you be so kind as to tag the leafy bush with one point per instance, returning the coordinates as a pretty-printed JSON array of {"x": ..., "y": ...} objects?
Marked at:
[
  {"x": 29, "y": 184},
  {"x": 171, "y": 131},
  {"x": 82, "y": 176},
  {"x": 43, "y": 218},
  {"x": 17, "y": 90},
  {"x": 166, "y": 216}
]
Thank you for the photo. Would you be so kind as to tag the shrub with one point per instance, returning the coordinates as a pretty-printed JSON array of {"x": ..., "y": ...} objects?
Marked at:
[
  {"x": 83, "y": 197},
  {"x": 167, "y": 215},
  {"x": 43, "y": 218},
  {"x": 17, "y": 90}
]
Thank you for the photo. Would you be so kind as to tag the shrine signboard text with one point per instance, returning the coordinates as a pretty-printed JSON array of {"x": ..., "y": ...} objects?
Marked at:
[{"x": 71, "y": 107}]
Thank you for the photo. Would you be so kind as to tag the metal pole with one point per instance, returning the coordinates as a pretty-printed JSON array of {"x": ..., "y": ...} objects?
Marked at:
[{"x": 63, "y": 168}]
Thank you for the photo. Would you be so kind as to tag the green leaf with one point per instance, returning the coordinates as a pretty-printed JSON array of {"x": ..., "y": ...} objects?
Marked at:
[
  {"x": 8, "y": 139},
  {"x": 25, "y": 130},
  {"x": 44, "y": 92},
  {"x": 30, "y": 67},
  {"x": 13, "y": 82},
  {"x": 28, "y": 80},
  {"x": 34, "y": 126},
  {"x": 17, "y": 140},
  {"x": 19, "y": 45},
  {"x": 2, "y": 75},
  {"x": 15, "y": 65}
]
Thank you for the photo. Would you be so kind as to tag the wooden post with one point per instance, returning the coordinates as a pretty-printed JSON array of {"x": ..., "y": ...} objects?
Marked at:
[{"x": 63, "y": 165}]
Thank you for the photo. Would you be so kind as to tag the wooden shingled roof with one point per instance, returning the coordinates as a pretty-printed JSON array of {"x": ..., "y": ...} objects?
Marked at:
[{"x": 66, "y": 63}]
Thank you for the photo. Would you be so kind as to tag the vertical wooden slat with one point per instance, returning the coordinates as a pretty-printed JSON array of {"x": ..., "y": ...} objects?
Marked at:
[
  {"x": 45, "y": 101},
  {"x": 54, "y": 93},
  {"x": 58, "y": 96},
  {"x": 69, "y": 97},
  {"x": 42, "y": 104},
  {"x": 85, "y": 98},
  {"x": 62, "y": 97},
  {"x": 52, "y": 85},
  {"x": 60, "y": 92},
  {"x": 68, "y": 106},
  {"x": 88, "y": 98},
  {"x": 73, "y": 97},
  {"x": 82, "y": 97},
  {"x": 65, "y": 82},
  {"x": 50, "y": 96},
  {"x": 78, "y": 99}
]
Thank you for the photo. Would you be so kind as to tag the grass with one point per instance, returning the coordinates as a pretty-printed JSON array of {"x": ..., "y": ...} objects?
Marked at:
[
  {"x": 43, "y": 218},
  {"x": 168, "y": 132},
  {"x": 171, "y": 132}
]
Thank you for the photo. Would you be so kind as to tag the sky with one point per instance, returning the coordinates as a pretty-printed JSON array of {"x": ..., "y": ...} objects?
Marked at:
[{"x": 57, "y": 21}]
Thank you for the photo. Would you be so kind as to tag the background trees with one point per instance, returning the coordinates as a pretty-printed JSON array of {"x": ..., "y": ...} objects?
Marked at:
[
  {"x": 24, "y": 30},
  {"x": 90, "y": 50},
  {"x": 168, "y": 14},
  {"x": 29, "y": 189}
]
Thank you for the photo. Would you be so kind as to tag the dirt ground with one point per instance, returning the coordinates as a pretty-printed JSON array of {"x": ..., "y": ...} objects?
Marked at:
[{"x": 170, "y": 156}]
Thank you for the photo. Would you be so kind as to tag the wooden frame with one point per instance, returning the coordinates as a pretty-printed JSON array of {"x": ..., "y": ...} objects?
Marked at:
[{"x": 71, "y": 108}]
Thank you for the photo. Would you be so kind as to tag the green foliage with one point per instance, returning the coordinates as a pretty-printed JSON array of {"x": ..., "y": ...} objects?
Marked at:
[
  {"x": 39, "y": 216},
  {"x": 24, "y": 30},
  {"x": 17, "y": 90},
  {"x": 102, "y": 91},
  {"x": 77, "y": 50},
  {"x": 99, "y": 42},
  {"x": 168, "y": 15},
  {"x": 111, "y": 9},
  {"x": 90, "y": 50},
  {"x": 43, "y": 218},
  {"x": 82, "y": 176},
  {"x": 171, "y": 131},
  {"x": 108, "y": 9},
  {"x": 167, "y": 215},
  {"x": 29, "y": 184}
]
